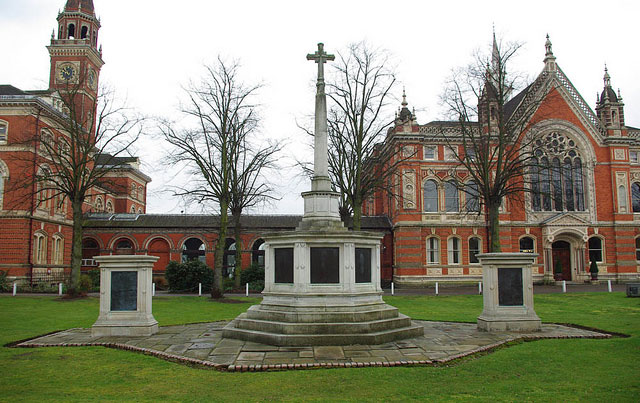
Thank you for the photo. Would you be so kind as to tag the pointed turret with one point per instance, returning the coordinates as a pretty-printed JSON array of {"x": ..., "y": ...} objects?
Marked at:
[
  {"x": 404, "y": 115},
  {"x": 610, "y": 108}
]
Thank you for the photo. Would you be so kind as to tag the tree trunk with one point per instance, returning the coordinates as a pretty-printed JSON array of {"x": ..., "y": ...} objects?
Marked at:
[
  {"x": 237, "y": 232},
  {"x": 217, "y": 290},
  {"x": 357, "y": 215},
  {"x": 494, "y": 228},
  {"x": 76, "y": 248}
]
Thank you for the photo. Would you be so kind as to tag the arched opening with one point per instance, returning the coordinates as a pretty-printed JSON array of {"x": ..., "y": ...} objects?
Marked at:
[
  {"x": 257, "y": 255},
  {"x": 635, "y": 196},
  {"x": 193, "y": 249},
  {"x": 229, "y": 259},
  {"x": 430, "y": 196},
  {"x": 84, "y": 32},
  {"x": 71, "y": 31},
  {"x": 90, "y": 249},
  {"x": 451, "y": 200},
  {"x": 561, "y": 255},
  {"x": 123, "y": 246},
  {"x": 527, "y": 245},
  {"x": 160, "y": 248},
  {"x": 474, "y": 249}
]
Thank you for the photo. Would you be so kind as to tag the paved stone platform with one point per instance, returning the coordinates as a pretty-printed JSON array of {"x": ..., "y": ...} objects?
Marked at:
[{"x": 202, "y": 345}]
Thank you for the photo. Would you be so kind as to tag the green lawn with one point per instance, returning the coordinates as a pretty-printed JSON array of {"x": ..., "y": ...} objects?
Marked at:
[{"x": 548, "y": 370}]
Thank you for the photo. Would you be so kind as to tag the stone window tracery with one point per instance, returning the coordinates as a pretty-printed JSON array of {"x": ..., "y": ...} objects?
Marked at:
[{"x": 557, "y": 180}]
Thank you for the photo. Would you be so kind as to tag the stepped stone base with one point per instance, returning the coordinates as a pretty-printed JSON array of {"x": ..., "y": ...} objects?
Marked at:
[{"x": 328, "y": 324}]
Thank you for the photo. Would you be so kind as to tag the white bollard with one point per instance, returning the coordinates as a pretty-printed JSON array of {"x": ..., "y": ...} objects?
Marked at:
[
  {"x": 564, "y": 285},
  {"x": 247, "y": 289},
  {"x": 59, "y": 288},
  {"x": 392, "y": 289},
  {"x": 609, "y": 285},
  {"x": 479, "y": 287},
  {"x": 153, "y": 289},
  {"x": 15, "y": 289},
  {"x": 436, "y": 288},
  {"x": 199, "y": 289}
]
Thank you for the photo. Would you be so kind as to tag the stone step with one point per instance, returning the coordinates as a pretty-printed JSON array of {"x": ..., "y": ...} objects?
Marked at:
[
  {"x": 262, "y": 312},
  {"x": 277, "y": 339},
  {"x": 270, "y": 326}
]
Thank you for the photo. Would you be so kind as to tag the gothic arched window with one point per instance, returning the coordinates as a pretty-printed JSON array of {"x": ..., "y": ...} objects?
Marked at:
[
  {"x": 557, "y": 181},
  {"x": 451, "y": 200},
  {"x": 635, "y": 197},
  {"x": 430, "y": 196}
]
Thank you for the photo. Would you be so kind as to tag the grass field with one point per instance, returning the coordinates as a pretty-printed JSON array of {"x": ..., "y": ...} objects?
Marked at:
[{"x": 548, "y": 370}]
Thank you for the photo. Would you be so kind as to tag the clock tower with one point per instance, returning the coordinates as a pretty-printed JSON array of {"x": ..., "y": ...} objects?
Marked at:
[{"x": 76, "y": 59}]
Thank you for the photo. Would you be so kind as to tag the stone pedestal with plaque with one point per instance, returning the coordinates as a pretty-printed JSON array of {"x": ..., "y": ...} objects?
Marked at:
[
  {"x": 507, "y": 286},
  {"x": 125, "y": 296},
  {"x": 322, "y": 281}
]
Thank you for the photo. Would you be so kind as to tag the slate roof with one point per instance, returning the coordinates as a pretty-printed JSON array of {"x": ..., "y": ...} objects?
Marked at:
[
  {"x": 283, "y": 222},
  {"x": 103, "y": 159},
  {"x": 72, "y": 5},
  {"x": 6, "y": 89}
]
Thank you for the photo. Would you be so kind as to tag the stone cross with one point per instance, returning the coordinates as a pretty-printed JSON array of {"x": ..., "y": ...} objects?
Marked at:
[{"x": 321, "y": 180}]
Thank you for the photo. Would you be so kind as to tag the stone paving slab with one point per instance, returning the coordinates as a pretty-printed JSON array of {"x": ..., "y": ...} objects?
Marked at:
[{"x": 202, "y": 345}]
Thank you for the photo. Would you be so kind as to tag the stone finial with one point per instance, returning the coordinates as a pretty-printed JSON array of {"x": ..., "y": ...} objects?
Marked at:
[
  {"x": 404, "y": 98},
  {"x": 607, "y": 77},
  {"x": 547, "y": 46},
  {"x": 53, "y": 33},
  {"x": 549, "y": 59}
]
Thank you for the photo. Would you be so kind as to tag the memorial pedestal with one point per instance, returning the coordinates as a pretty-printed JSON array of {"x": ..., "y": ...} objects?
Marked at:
[
  {"x": 125, "y": 296},
  {"x": 507, "y": 286}
]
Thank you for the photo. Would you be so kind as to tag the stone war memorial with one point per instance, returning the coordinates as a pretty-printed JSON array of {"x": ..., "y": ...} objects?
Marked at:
[
  {"x": 322, "y": 281},
  {"x": 322, "y": 304}
]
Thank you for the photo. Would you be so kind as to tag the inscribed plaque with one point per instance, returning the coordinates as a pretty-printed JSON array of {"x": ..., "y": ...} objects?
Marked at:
[
  {"x": 325, "y": 265},
  {"x": 510, "y": 291},
  {"x": 124, "y": 290},
  {"x": 363, "y": 265},
  {"x": 283, "y": 265}
]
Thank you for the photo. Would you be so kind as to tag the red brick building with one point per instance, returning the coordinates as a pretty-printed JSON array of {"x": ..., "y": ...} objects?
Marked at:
[
  {"x": 428, "y": 236},
  {"x": 594, "y": 216},
  {"x": 36, "y": 231}
]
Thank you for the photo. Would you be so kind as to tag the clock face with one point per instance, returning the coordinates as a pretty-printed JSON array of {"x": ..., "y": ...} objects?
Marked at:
[
  {"x": 92, "y": 80},
  {"x": 67, "y": 72}
]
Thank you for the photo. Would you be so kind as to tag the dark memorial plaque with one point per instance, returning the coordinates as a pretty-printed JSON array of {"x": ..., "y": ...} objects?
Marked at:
[
  {"x": 325, "y": 265},
  {"x": 510, "y": 291},
  {"x": 283, "y": 265},
  {"x": 363, "y": 265},
  {"x": 124, "y": 290}
]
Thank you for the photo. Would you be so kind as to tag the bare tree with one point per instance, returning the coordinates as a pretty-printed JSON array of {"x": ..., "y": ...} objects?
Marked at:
[
  {"x": 65, "y": 166},
  {"x": 494, "y": 154},
  {"x": 249, "y": 186},
  {"x": 216, "y": 150},
  {"x": 360, "y": 89}
]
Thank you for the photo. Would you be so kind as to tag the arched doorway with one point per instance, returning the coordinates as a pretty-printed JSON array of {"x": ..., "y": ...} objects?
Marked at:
[
  {"x": 192, "y": 249},
  {"x": 561, "y": 255},
  {"x": 257, "y": 256},
  {"x": 90, "y": 249},
  {"x": 160, "y": 248}
]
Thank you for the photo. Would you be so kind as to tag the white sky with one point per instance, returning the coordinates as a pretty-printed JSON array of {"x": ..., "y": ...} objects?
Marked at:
[{"x": 152, "y": 48}]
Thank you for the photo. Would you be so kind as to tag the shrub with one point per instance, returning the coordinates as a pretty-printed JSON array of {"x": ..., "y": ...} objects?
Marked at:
[
  {"x": 4, "y": 282},
  {"x": 593, "y": 269},
  {"x": 85, "y": 284},
  {"x": 254, "y": 275},
  {"x": 184, "y": 277},
  {"x": 94, "y": 275}
]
